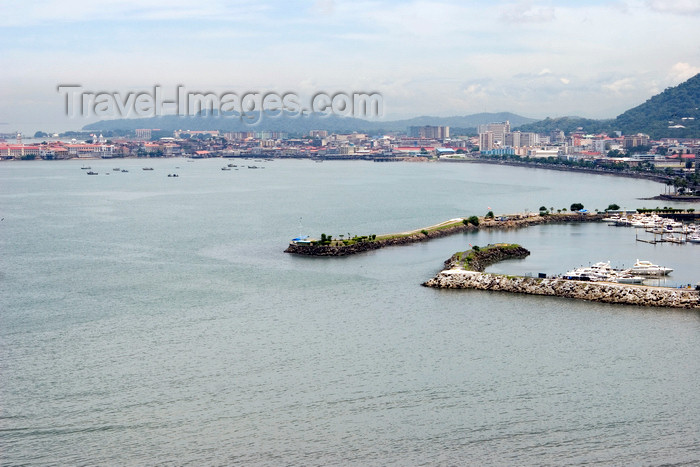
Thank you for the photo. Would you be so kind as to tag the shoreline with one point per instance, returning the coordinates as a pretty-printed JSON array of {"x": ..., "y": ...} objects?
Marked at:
[
  {"x": 536, "y": 165},
  {"x": 443, "y": 229},
  {"x": 680, "y": 199}
]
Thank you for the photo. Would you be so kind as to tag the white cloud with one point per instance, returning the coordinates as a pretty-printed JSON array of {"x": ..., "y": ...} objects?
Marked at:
[
  {"x": 681, "y": 7},
  {"x": 565, "y": 80},
  {"x": 324, "y": 7},
  {"x": 620, "y": 85},
  {"x": 527, "y": 13},
  {"x": 545, "y": 71},
  {"x": 681, "y": 72},
  {"x": 20, "y": 12}
]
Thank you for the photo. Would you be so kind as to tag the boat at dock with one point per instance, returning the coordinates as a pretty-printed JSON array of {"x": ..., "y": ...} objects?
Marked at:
[
  {"x": 694, "y": 238},
  {"x": 647, "y": 268},
  {"x": 603, "y": 272}
]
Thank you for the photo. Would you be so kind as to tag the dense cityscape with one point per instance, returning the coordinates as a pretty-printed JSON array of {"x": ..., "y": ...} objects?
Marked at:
[{"x": 637, "y": 153}]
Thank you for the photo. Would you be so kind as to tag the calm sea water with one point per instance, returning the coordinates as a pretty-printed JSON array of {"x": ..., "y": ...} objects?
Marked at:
[{"x": 147, "y": 320}]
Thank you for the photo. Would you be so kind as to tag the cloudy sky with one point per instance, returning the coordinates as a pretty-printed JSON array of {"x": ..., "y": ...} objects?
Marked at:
[{"x": 591, "y": 58}]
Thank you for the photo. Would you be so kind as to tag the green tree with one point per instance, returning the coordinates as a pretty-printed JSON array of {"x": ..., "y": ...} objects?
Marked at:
[
  {"x": 613, "y": 207},
  {"x": 576, "y": 206}
]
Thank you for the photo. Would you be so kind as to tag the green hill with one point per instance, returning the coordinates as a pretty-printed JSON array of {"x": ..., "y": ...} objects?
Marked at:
[
  {"x": 568, "y": 125},
  {"x": 676, "y": 106},
  {"x": 674, "y": 113}
]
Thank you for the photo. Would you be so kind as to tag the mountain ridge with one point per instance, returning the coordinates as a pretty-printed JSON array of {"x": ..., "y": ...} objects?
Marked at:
[
  {"x": 674, "y": 113},
  {"x": 303, "y": 124}
]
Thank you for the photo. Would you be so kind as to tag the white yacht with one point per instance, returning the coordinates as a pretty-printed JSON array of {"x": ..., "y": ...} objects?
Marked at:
[
  {"x": 603, "y": 272},
  {"x": 646, "y": 268}
]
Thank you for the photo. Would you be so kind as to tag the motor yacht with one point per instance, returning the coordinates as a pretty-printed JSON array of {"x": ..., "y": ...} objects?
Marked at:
[{"x": 647, "y": 268}]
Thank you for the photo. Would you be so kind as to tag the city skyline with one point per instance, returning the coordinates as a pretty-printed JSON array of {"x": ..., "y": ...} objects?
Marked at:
[{"x": 595, "y": 59}]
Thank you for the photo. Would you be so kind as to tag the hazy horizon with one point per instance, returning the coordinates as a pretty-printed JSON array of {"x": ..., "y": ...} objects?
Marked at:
[{"x": 594, "y": 59}]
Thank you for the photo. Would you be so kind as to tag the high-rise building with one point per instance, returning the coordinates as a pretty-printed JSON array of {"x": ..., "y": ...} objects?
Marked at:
[
  {"x": 429, "y": 132},
  {"x": 143, "y": 133},
  {"x": 635, "y": 140},
  {"x": 517, "y": 139},
  {"x": 499, "y": 130},
  {"x": 598, "y": 145},
  {"x": 529, "y": 139},
  {"x": 486, "y": 141},
  {"x": 556, "y": 136}
]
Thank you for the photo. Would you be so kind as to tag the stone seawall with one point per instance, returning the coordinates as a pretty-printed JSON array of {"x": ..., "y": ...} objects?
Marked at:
[{"x": 606, "y": 292}]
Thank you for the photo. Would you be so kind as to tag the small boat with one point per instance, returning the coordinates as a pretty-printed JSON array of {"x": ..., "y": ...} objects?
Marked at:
[
  {"x": 85, "y": 167},
  {"x": 92, "y": 173},
  {"x": 694, "y": 238},
  {"x": 124, "y": 170},
  {"x": 613, "y": 218},
  {"x": 646, "y": 268},
  {"x": 597, "y": 272},
  {"x": 225, "y": 168},
  {"x": 669, "y": 237},
  {"x": 116, "y": 169},
  {"x": 148, "y": 168},
  {"x": 173, "y": 175},
  {"x": 629, "y": 279}
]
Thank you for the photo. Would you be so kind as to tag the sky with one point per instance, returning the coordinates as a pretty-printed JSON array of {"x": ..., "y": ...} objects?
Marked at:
[{"x": 590, "y": 58}]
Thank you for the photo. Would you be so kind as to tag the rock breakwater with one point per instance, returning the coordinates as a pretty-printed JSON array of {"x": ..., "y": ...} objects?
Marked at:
[{"x": 456, "y": 277}]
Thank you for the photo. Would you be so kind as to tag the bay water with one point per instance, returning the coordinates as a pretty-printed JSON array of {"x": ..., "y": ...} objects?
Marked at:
[{"x": 154, "y": 320}]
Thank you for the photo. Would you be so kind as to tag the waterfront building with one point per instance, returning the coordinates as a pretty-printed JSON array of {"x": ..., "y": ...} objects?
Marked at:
[
  {"x": 547, "y": 151},
  {"x": 19, "y": 151},
  {"x": 499, "y": 152}
]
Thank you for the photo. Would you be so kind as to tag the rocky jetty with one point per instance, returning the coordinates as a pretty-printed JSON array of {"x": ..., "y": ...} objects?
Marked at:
[
  {"x": 438, "y": 231},
  {"x": 461, "y": 274},
  {"x": 479, "y": 259}
]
